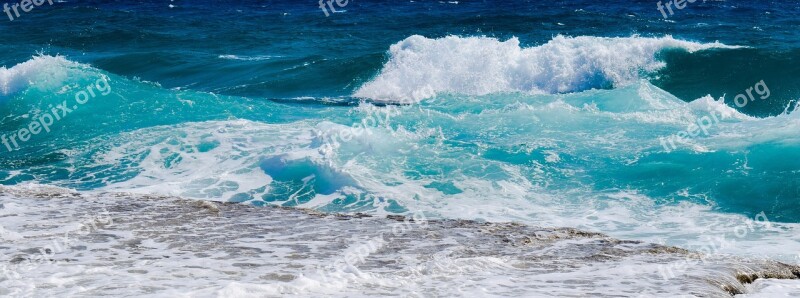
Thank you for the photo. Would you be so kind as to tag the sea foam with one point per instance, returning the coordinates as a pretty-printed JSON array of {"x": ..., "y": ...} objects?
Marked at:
[
  {"x": 42, "y": 71},
  {"x": 420, "y": 67}
]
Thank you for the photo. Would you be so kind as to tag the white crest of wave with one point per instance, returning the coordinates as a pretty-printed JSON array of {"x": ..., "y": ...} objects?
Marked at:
[
  {"x": 708, "y": 105},
  {"x": 42, "y": 71},
  {"x": 246, "y": 58},
  {"x": 420, "y": 67}
]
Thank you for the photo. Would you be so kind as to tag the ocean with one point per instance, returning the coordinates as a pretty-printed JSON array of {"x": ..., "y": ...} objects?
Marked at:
[{"x": 552, "y": 148}]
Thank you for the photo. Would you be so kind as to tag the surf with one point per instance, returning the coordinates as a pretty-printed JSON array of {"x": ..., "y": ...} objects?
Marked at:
[
  {"x": 420, "y": 68},
  {"x": 585, "y": 156}
]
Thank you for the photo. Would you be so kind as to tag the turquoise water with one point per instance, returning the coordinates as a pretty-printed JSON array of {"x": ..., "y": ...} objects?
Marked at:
[{"x": 547, "y": 113}]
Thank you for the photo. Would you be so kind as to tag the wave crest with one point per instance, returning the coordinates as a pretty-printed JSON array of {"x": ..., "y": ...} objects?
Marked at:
[
  {"x": 421, "y": 67},
  {"x": 43, "y": 71}
]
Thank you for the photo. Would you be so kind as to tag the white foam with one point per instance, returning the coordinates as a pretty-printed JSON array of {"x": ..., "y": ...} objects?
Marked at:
[
  {"x": 161, "y": 247},
  {"x": 421, "y": 67},
  {"x": 770, "y": 288},
  {"x": 41, "y": 71},
  {"x": 246, "y": 58},
  {"x": 209, "y": 160},
  {"x": 707, "y": 104},
  {"x": 424, "y": 161}
]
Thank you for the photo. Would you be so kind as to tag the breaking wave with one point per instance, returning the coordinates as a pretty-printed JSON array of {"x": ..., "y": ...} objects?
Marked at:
[{"x": 420, "y": 68}]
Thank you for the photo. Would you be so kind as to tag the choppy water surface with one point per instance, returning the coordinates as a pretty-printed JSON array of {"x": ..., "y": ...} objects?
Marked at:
[{"x": 608, "y": 119}]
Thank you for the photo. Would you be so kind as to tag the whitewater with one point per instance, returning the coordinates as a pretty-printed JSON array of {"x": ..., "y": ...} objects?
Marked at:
[{"x": 506, "y": 137}]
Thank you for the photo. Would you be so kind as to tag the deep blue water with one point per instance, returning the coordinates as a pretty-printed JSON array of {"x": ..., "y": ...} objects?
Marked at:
[
  {"x": 178, "y": 47},
  {"x": 514, "y": 103}
]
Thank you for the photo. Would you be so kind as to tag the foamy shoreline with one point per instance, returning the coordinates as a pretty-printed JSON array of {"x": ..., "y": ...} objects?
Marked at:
[{"x": 164, "y": 246}]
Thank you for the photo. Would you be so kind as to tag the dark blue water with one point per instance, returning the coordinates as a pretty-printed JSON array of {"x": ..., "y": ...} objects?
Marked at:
[{"x": 180, "y": 46}]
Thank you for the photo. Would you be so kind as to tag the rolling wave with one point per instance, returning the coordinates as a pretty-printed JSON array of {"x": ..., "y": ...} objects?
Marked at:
[
  {"x": 40, "y": 71},
  {"x": 420, "y": 68}
]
